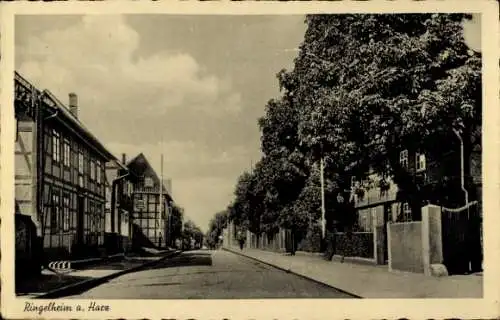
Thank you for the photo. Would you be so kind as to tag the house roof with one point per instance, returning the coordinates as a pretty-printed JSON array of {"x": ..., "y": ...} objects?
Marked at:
[
  {"x": 66, "y": 117},
  {"x": 75, "y": 123},
  {"x": 116, "y": 164},
  {"x": 133, "y": 166}
]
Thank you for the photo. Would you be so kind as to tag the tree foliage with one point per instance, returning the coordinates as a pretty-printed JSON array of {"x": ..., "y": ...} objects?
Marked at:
[
  {"x": 363, "y": 88},
  {"x": 191, "y": 232},
  {"x": 372, "y": 85},
  {"x": 216, "y": 227},
  {"x": 177, "y": 218}
]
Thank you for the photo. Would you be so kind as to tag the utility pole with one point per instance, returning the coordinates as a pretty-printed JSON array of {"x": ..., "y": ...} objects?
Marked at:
[
  {"x": 322, "y": 180},
  {"x": 462, "y": 173},
  {"x": 161, "y": 203}
]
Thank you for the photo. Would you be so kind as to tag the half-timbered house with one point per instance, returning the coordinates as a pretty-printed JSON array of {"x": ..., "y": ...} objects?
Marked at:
[
  {"x": 59, "y": 173},
  {"x": 119, "y": 206},
  {"x": 152, "y": 204}
]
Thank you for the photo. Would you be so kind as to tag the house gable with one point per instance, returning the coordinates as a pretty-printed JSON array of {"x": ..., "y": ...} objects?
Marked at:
[{"x": 147, "y": 177}]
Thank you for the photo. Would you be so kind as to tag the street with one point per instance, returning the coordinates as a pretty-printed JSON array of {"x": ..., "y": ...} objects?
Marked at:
[{"x": 205, "y": 274}]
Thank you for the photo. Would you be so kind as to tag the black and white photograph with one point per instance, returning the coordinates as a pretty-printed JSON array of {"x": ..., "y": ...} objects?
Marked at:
[{"x": 286, "y": 158}]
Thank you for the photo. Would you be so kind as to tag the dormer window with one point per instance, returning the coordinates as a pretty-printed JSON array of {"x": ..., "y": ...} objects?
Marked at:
[
  {"x": 420, "y": 162},
  {"x": 403, "y": 158}
]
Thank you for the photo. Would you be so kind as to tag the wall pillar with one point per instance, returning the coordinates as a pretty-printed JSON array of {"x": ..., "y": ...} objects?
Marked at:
[
  {"x": 432, "y": 245},
  {"x": 389, "y": 256},
  {"x": 231, "y": 234},
  {"x": 248, "y": 241},
  {"x": 378, "y": 234}
]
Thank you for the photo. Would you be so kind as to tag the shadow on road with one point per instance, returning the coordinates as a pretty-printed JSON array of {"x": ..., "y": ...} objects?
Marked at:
[
  {"x": 45, "y": 283},
  {"x": 186, "y": 259}
]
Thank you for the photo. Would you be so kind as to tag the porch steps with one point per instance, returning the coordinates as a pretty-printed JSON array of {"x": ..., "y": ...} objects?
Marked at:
[{"x": 60, "y": 265}]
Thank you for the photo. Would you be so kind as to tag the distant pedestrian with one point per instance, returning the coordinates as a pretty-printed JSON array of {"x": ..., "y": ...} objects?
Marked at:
[{"x": 242, "y": 242}]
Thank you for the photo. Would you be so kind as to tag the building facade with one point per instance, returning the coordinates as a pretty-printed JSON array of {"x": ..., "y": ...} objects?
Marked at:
[
  {"x": 119, "y": 206},
  {"x": 430, "y": 179},
  {"x": 59, "y": 174},
  {"x": 152, "y": 204}
]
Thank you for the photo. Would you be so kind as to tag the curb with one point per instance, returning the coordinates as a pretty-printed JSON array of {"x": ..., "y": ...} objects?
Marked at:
[
  {"x": 294, "y": 273},
  {"x": 90, "y": 283},
  {"x": 76, "y": 264}
]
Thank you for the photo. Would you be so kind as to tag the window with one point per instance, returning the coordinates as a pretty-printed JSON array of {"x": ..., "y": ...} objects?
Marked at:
[
  {"x": 420, "y": 162},
  {"x": 151, "y": 215},
  {"x": 140, "y": 205},
  {"x": 54, "y": 217},
  {"x": 353, "y": 182},
  {"x": 80, "y": 162},
  {"x": 406, "y": 212},
  {"x": 98, "y": 171},
  {"x": 148, "y": 182},
  {"x": 403, "y": 158},
  {"x": 91, "y": 222},
  {"x": 56, "y": 146},
  {"x": 365, "y": 220},
  {"x": 67, "y": 153},
  {"x": 152, "y": 207},
  {"x": 92, "y": 170},
  {"x": 66, "y": 214}
]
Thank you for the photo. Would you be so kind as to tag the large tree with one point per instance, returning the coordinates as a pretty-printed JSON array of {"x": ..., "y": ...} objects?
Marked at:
[
  {"x": 372, "y": 85},
  {"x": 246, "y": 208},
  {"x": 284, "y": 165}
]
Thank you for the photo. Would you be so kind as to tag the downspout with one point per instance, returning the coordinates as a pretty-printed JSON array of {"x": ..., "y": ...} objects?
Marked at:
[
  {"x": 41, "y": 161},
  {"x": 40, "y": 170},
  {"x": 462, "y": 179}
]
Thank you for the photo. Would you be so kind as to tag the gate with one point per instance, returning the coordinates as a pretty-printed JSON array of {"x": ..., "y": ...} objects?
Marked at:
[{"x": 461, "y": 235}]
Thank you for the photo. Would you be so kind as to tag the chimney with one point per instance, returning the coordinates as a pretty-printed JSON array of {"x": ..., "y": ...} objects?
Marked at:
[
  {"x": 73, "y": 104},
  {"x": 124, "y": 158}
]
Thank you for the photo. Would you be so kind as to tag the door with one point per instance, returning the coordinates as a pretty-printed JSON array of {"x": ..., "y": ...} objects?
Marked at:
[{"x": 79, "y": 220}]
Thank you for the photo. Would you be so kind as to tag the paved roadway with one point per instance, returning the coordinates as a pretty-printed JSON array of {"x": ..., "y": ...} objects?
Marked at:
[{"x": 205, "y": 274}]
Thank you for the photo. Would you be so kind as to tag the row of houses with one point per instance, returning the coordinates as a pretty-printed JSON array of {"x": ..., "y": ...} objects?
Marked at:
[
  {"x": 389, "y": 225},
  {"x": 73, "y": 198}
]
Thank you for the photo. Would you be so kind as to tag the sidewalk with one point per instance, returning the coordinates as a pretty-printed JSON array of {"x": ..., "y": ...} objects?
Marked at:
[
  {"x": 51, "y": 284},
  {"x": 368, "y": 281}
]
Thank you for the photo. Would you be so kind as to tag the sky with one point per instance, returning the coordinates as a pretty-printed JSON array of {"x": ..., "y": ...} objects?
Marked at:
[{"x": 190, "y": 87}]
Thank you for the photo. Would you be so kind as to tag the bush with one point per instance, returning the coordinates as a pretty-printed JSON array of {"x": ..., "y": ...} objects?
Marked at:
[{"x": 312, "y": 240}]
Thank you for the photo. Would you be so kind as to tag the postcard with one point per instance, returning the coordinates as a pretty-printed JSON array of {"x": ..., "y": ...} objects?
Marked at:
[{"x": 250, "y": 160}]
